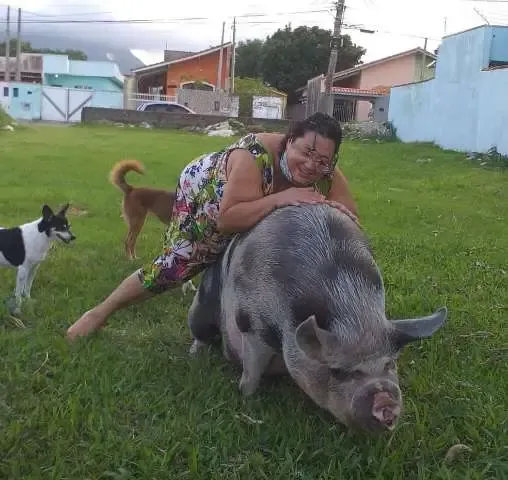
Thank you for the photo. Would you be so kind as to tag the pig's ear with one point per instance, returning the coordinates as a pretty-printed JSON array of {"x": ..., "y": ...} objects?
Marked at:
[
  {"x": 316, "y": 343},
  {"x": 410, "y": 330}
]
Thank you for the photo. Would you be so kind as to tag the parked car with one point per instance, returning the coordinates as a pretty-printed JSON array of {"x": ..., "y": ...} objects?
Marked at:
[{"x": 160, "y": 106}]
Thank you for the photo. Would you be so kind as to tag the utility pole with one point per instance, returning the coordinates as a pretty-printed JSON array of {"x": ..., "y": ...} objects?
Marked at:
[
  {"x": 233, "y": 59},
  {"x": 18, "y": 49},
  {"x": 422, "y": 67},
  {"x": 7, "y": 74},
  {"x": 326, "y": 99},
  {"x": 219, "y": 68}
]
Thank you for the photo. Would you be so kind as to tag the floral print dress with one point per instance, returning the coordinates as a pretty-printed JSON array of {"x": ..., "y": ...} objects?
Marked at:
[{"x": 192, "y": 240}]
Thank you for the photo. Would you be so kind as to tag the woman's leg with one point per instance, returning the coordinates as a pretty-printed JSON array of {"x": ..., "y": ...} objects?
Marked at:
[
  {"x": 164, "y": 273},
  {"x": 172, "y": 268},
  {"x": 130, "y": 291}
]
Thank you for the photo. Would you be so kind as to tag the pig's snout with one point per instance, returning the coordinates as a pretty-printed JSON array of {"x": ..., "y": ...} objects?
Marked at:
[
  {"x": 385, "y": 409},
  {"x": 377, "y": 406}
]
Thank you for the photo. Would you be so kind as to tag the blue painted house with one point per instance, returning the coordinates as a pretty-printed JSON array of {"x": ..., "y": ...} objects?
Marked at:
[
  {"x": 59, "y": 71},
  {"x": 55, "y": 88},
  {"x": 465, "y": 107}
]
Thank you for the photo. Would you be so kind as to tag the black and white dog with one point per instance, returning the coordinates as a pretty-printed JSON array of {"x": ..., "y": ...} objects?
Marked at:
[{"x": 26, "y": 246}]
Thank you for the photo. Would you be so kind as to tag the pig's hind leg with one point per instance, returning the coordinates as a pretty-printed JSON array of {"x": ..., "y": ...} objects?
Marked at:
[
  {"x": 203, "y": 317},
  {"x": 203, "y": 327}
]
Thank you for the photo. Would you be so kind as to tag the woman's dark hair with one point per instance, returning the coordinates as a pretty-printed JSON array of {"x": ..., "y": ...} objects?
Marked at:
[{"x": 319, "y": 123}]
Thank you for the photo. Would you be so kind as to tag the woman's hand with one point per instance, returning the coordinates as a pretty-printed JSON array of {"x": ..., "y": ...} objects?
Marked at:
[
  {"x": 297, "y": 196},
  {"x": 343, "y": 209}
]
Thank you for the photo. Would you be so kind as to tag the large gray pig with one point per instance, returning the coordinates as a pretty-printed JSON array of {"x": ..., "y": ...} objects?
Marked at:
[{"x": 301, "y": 293}]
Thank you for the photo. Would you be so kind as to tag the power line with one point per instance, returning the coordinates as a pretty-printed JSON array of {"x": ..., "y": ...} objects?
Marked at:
[
  {"x": 77, "y": 14},
  {"x": 163, "y": 20},
  {"x": 481, "y": 15},
  {"x": 204, "y": 20},
  {"x": 199, "y": 22},
  {"x": 371, "y": 29},
  {"x": 366, "y": 29}
]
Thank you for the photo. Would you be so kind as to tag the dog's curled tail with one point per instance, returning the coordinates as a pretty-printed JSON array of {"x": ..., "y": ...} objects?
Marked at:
[{"x": 118, "y": 172}]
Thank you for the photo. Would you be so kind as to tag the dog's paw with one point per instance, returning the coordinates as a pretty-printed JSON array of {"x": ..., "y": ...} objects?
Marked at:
[
  {"x": 188, "y": 287},
  {"x": 13, "y": 307}
]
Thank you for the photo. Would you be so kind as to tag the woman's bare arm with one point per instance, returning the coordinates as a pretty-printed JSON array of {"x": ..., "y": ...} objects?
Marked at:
[{"x": 243, "y": 204}]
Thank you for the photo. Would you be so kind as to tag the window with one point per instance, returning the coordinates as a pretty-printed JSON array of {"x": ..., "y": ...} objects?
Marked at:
[
  {"x": 15, "y": 92},
  {"x": 155, "y": 107},
  {"x": 6, "y": 91},
  {"x": 161, "y": 107},
  {"x": 176, "y": 109},
  {"x": 498, "y": 53},
  {"x": 216, "y": 106}
]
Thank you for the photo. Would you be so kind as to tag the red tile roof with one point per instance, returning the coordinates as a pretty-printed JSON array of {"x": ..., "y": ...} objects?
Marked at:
[
  {"x": 364, "y": 92},
  {"x": 185, "y": 58}
]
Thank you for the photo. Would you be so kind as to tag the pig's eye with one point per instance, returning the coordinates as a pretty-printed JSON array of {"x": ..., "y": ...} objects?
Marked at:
[
  {"x": 345, "y": 375},
  {"x": 340, "y": 374},
  {"x": 391, "y": 365}
]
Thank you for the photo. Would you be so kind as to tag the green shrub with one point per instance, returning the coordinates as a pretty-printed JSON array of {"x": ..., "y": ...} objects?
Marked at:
[{"x": 5, "y": 118}]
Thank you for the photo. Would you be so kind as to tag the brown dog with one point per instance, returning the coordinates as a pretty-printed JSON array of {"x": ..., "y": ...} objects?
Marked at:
[{"x": 137, "y": 202}]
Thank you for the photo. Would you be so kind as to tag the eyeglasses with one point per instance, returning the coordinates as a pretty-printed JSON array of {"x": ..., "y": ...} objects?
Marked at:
[{"x": 321, "y": 163}]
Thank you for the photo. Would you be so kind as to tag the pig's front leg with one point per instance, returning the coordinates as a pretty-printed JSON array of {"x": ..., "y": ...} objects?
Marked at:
[{"x": 256, "y": 357}]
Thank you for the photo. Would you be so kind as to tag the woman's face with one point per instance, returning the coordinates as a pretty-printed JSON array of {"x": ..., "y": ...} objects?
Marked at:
[{"x": 310, "y": 157}]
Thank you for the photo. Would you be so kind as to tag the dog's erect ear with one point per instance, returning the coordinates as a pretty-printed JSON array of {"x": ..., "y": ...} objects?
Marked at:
[
  {"x": 47, "y": 213},
  {"x": 63, "y": 210}
]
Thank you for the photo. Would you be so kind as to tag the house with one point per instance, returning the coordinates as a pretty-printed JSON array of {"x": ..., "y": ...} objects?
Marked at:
[
  {"x": 465, "y": 107},
  {"x": 30, "y": 68},
  {"x": 55, "y": 88},
  {"x": 60, "y": 71},
  {"x": 355, "y": 89},
  {"x": 208, "y": 70}
]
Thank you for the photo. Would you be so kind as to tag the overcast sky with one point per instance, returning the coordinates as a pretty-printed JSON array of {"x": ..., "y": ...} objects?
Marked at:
[{"x": 399, "y": 24}]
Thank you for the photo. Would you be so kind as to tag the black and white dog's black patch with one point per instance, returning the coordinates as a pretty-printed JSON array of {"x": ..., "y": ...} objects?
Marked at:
[
  {"x": 12, "y": 247},
  {"x": 26, "y": 246}
]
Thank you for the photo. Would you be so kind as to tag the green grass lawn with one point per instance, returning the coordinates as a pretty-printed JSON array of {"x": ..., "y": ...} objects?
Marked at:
[{"x": 129, "y": 403}]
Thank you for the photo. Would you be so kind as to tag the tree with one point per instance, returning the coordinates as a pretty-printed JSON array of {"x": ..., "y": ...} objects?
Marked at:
[
  {"x": 26, "y": 47},
  {"x": 249, "y": 59},
  {"x": 289, "y": 57}
]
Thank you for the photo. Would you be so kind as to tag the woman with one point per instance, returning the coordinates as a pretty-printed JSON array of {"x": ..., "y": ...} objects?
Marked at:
[{"x": 227, "y": 192}]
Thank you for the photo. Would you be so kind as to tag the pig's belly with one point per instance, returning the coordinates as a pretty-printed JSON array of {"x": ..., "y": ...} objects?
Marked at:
[{"x": 234, "y": 351}]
